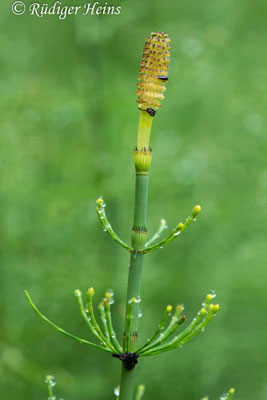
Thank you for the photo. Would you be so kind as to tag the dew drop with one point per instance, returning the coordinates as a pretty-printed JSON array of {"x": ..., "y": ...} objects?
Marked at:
[
  {"x": 212, "y": 292},
  {"x": 177, "y": 233},
  {"x": 194, "y": 219},
  {"x": 50, "y": 380},
  {"x": 117, "y": 391},
  {"x": 138, "y": 299},
  {"x": 140, "y": 314},
  {"x": 203, "y": 329}
]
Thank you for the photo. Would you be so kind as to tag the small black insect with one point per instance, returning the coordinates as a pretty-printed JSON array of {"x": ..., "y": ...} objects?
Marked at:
[
  {"x": 129, "y": 359},
  {"x": 151, "y": 112},
  {"x": 163, "y": 78}
]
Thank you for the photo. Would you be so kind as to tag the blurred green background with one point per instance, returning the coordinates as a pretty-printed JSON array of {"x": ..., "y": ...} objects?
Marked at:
[{"x": 68, "y": 121}]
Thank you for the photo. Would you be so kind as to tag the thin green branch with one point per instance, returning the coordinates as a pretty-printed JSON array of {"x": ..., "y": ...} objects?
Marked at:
[
  {"x": 162, "y": 226},
  {"x": 188, "y": 334},
  {"x": 50, "y": 380},
  {"x": 140, "y": 392},
  {"x": 161, "y": 325},
  {"x": 90, "y": 293},
  {"x": 103, "y": 317},
  {"x": 62, "y": 330},
  {"x": 100, "y": 209},
  {"x": 227, "y": 396},
  {"x": 175, "y": 322},
  {"x": 106, "y": 343},
  {"x": 111, "y": 332},
  {"x": 175, "y": 232}
]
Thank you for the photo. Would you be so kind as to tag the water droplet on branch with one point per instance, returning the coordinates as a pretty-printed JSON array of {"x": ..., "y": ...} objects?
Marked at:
[{"x": 117, "y": 391}]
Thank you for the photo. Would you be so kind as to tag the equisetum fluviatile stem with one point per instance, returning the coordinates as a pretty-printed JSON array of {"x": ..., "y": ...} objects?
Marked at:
[{"x": 150, "y": 92}]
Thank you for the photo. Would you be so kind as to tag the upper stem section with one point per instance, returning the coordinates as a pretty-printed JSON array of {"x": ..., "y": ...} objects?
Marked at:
[
  {"x": 144, "y": 129},
  {"x": 139, "y": 231}
]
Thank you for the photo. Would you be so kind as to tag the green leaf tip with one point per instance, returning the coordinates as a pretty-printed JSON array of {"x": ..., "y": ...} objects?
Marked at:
[
  {"x": 196, "y": 210},
  {"x": 91, "y": 291}
]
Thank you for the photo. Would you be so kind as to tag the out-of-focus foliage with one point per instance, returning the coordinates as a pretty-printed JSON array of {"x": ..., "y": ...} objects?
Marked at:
[{"x": 68, "y": 120}]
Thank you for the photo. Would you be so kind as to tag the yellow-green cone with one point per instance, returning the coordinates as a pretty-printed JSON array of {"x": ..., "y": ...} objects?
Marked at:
[{"x": 153, "y": 72}]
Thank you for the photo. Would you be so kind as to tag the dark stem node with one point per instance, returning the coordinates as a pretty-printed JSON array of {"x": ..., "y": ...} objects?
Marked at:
[{"x": 129, "y": 359}]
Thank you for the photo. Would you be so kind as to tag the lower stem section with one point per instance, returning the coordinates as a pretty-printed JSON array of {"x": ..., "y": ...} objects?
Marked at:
[
  {"x": 134, "y": 290},
  {"x": 127, "y": 384},
  {"x": 139, "y": 234}
]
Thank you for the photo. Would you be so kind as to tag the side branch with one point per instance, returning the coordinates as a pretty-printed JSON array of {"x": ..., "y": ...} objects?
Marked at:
[
  {"x": 100, "y": 209},
  {"x": 62, "y": 330},
  {"x": 175, "y": 232},
  {"x": 203, "y": 318},
  {"x": 162, "y": 226}
]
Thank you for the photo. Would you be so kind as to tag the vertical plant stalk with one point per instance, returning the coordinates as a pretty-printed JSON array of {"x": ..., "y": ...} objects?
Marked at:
[
  {"x": 139, "y": 235},
  {"x": 153, "y": 75}
]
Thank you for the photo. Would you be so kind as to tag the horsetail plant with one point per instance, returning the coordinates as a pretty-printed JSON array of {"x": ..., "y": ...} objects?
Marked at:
[{"x": 168, "y": 335}]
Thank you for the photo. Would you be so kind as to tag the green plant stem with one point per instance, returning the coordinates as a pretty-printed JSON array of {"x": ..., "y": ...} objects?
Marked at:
[{"x": 134, "y": 278}]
